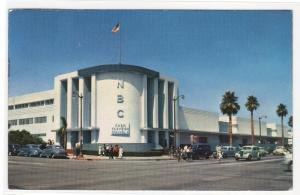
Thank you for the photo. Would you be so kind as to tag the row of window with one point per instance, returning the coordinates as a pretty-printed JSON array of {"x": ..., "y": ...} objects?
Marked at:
[
  {"x": 31, "y": 104},
  {"x": 27, "y": 121}
]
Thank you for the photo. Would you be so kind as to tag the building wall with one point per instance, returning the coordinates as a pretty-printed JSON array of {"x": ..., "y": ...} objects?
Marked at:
[
  {"x": 42, "y": 130},
  {"x": 119, "y": 106},
  {"x": 198, "y": 120}
]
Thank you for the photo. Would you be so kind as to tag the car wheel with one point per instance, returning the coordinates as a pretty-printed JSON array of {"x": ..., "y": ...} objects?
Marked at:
[
  {"x": 236, "y": 158},
  {"x": 258, "y": 157},
  {"x": 249, "y": 157}
]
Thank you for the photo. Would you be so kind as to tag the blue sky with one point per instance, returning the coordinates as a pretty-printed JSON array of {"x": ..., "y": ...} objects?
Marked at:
[{"x": 209, "y": 52}]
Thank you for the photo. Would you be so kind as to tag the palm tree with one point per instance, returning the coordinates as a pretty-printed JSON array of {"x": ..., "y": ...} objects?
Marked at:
[
  {"x": 62, "y": 131},
  {"x": 251, "y": 105},
  {"x": 282, "y": 112},
  {"x": 229, "y": 106},
  {"x": 290, "y": 123}
]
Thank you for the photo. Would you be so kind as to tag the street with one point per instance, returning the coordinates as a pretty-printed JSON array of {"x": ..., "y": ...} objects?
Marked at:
[{"x": 63, "y": 174}]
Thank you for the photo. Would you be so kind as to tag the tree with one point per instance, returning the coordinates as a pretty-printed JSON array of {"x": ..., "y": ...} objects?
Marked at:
[
  {"x": 251, "y": 105},
  {"x": 290, "y": 123},
  {"x": 282, "y": 112},
  {"x": 23, "y": 137},
  {"x": 63, "y": 132},
  {"x": 229, "y": 106}
]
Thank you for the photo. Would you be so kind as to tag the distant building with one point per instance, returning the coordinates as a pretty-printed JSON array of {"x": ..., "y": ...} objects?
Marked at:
[{"x": 126, "y": 105}]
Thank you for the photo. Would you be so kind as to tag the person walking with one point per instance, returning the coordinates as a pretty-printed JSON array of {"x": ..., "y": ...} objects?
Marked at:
[
  {"x": 121, "y": 152},
  {"x": 219, "y": 153}
]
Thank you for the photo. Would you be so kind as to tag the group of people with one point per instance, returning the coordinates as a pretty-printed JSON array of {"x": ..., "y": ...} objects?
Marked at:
[
  {"x": 184, "y": 153},
  {"x": 111, "y": 151}
]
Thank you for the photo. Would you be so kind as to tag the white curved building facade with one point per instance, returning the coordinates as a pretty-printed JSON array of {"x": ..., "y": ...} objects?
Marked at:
[{"x": 122, "y": 104}]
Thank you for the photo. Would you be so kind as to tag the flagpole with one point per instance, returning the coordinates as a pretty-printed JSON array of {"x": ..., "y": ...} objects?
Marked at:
[{"x": 120, "y": 44}]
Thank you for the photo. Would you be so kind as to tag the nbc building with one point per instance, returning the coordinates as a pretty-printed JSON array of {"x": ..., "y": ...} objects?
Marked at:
[{"x": 127, "y": 105}]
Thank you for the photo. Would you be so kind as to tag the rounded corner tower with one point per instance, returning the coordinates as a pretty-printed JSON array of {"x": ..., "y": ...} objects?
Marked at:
[{"x": 120, "y": 104}]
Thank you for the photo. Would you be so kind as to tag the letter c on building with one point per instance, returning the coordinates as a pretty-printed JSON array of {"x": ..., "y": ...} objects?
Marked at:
[{"x": 120, "y": 114}]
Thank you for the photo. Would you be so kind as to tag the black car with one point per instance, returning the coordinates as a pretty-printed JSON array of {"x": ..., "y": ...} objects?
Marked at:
[
  {"x": 30, "y": 150},
  {"x": 54, "y": 151},
  {"x": 13, "y": 149},
  {"x": 201, "y": 150}
]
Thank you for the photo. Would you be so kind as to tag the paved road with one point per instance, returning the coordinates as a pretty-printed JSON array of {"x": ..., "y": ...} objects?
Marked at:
[{"x": 59, "y": 174}]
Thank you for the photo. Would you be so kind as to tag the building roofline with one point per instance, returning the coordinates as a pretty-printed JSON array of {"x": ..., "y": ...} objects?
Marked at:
[{"x": 117, "y": 68}]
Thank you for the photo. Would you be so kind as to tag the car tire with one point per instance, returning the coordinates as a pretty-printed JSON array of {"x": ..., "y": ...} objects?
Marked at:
[
  {"x": 236, "y": 158},
  {"x": 249, "y": 157}
]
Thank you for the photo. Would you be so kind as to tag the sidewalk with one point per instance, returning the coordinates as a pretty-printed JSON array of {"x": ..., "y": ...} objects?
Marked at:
[{"x": 146, "y": 158}]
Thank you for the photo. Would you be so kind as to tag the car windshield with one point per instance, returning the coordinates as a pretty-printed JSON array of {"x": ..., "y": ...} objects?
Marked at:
[{"x": 246, "y": 148}]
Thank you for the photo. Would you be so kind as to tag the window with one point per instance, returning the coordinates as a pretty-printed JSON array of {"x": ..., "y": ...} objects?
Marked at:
[
  {"x": 25, "y": 121},
  {"x": 48, "y": 102},
  {"x": 42, "y": 119},
  {"x": 13, "y": 122},
  {"x": 38, "y": 103},
  {"x": 11, "y": 107},
  {"x": 19, "y": 106}
]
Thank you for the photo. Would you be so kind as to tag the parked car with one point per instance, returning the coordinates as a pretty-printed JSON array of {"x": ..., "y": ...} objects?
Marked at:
[
  {"x": 262, "y": 151},
  {"x": 13, "y": 149},
  {"x": 248, "y": 152},
  {"x": 288, "y": 160},
  {"x": 30, "y": 150},
  {"x": 279, "y": 150},
  {"x": 228, "y": 151},
  {"x": 54, "y": 151},
  {"x": 201, "y": 150}
]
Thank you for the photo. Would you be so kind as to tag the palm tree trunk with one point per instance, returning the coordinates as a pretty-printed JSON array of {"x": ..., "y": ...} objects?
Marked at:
[
  {"x": 65, "y": 141},
  {"x": 230, "y": 130},
  {"x": 252, "y": 129},
  {"x": 282, "y": 132}
]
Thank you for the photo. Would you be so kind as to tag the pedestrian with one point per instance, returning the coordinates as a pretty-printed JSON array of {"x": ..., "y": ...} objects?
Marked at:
[
  {"x": 219, "y": 152},
  {"x": 121, "y": 152},
  {"x": 77, "y": 146},
  {"x": 99, "y": 150},
  {"x": 116, "y": 150},
  {"x": 104, "y": 150},
  {"x": 107, "y": 150},
  {"x": 111, "y": 152},
  {"x": 179, "y": 153}
]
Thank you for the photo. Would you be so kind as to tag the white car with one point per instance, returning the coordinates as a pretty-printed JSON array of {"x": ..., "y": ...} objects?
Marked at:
[
  {"x": 248, "y": 153},
  {"x": 288, "y": 160},
  {"x": 280, "y": 150}
]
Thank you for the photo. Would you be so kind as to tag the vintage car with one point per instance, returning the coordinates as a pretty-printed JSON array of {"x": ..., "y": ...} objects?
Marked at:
[
  {"x": 30, "y": 150},
  {"x": 262, "y": 151},
  {"x": 54, "y": 151},
  {"x": 248, "y": 152},
  {"x": 228, "y": 151},
  {"x": 201, "y": 150},
  {"x": 279, "y": 150}
]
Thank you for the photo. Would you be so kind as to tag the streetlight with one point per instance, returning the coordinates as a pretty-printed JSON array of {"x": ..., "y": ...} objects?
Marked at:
[
  {"x": 174, "y": 104},
  {"x": 259, "y": 119},
  {"x": 76, "y": 94}
]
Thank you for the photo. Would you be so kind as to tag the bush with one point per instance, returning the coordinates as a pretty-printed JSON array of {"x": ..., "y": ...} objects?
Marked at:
[{"x": 23, "y": 137}]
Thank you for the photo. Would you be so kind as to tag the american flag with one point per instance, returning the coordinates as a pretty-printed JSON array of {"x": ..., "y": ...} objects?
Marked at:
[{"x": 116, "y": 28}]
